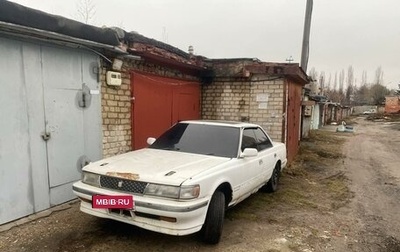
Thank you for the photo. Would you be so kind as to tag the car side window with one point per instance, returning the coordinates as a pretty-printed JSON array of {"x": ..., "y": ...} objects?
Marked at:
[
  {"x": 262, "y": 140},
  {"x": 248, "y": 139}
]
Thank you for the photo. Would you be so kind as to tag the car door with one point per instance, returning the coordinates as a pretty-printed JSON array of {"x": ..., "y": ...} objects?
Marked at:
[
  {"x": 249, "y": 166},
  {"x": 266, "y": 154}
]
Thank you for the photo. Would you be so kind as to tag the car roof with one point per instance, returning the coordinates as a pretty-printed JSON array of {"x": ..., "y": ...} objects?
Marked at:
[{"x": 221, "y": 123}]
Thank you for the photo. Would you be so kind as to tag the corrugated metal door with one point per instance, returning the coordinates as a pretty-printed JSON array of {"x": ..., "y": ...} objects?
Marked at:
[
  {"x": 293, "y": 119},
  {"x": 160, "y": 102},
  {"x": 40, "y": 90}
]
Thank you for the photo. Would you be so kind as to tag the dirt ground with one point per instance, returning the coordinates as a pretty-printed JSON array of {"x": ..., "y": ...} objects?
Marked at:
[{"x": 342, "y": 193}]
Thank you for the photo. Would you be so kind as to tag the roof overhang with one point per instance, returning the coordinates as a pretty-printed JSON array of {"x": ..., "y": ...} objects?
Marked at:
[
  {"x": 171, "y": 63},
  {"x": 25, "y": 32},
  {"x": 291, "y": 71}
]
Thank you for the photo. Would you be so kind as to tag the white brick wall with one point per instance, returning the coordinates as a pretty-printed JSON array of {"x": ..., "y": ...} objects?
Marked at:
[{"x": 236, "y": 100}]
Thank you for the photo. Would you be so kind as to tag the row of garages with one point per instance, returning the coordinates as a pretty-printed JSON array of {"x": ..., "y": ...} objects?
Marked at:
[
  {"x": 317, "y": 113},
  {"x": 74, "y": 93}
]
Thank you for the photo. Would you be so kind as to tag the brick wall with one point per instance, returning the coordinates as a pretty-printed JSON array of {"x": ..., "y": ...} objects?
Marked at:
[
  {"x": 268, "y": 114},
  {"x": 392, "y": 104},
  {"x": 116, "y": 105},
  {"x": 116, "y": 115},
  {"x": 258, "y": 100},
  {"x": 226, "y": 100}
]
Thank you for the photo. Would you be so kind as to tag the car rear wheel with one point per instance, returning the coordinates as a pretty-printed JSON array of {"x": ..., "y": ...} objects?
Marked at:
[
  {"x": 212, "y": 228},
  {"x": 272, "y": 185}
]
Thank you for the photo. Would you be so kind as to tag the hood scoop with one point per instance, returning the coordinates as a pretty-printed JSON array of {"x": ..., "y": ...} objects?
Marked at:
[{"x": 170, "y": 173}]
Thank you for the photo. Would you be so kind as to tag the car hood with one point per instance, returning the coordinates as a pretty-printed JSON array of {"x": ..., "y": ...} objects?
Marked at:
[{"x": 155, "y": 166}]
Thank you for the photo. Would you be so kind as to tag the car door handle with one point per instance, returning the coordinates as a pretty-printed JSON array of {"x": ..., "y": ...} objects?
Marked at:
[
  {"x": 274, "y": 155},
  {"x": 260, "y": 162}
]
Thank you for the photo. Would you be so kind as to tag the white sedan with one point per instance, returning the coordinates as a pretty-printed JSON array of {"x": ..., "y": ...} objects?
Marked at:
[{"x": 185, "y": 180}]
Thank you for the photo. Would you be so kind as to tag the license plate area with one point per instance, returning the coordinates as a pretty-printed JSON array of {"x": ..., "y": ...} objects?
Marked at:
[{"x": 118, "y": 202}]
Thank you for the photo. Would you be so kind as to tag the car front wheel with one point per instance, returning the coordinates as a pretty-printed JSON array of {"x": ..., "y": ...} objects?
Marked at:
[{"x": 212, "y": 228}]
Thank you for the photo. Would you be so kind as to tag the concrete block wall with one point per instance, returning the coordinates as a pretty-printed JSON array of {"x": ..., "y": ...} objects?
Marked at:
[{"x": 257, "y": 101}]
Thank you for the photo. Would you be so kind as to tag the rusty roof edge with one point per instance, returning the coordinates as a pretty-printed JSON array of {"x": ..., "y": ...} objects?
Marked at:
[
  {"x": 185, "y": 67},
  {"x": 297, "y": 74},
  {"x": 291, "y": 70},
  {"x": 135, "y": 37}
]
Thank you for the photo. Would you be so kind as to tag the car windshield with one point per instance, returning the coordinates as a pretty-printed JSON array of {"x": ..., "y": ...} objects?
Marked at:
[{"x": 204, "y": 139}]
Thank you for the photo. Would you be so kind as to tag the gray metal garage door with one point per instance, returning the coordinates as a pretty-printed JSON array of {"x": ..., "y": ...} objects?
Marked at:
[{"x": 47, "y": 129}]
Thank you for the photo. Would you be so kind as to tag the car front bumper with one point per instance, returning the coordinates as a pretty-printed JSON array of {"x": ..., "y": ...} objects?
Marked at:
[{"x": 159, "y": 215}]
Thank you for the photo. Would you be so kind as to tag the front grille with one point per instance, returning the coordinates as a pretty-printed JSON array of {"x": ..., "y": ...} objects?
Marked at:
[{"x": 124, "y": 185}]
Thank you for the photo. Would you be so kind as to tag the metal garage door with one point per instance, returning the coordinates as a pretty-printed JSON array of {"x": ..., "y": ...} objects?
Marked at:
[
  {"x": 45, "y": 134},
  {"x": 159, "y": 103},
  {"x": 293, "y": 119}
]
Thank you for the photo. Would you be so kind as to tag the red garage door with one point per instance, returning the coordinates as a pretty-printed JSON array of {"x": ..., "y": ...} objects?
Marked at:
[
  {"x": 160, "y": 102},
  {"x": 293, "y": 120}
]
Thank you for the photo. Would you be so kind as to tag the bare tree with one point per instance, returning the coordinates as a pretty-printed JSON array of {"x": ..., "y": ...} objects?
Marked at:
[
  {"x": 341, "y": 80},
  {"x": 313, "y": 74},
  {"x": 350, "y": 76},
  {"x": 335, "y": 84},
  {"x": 321, "y": 82},
  {"x": 341, "y": 86},
  {"x": 86, "y": 10},
  {"x": 329, "y": 82},
  {"x": 350, "y": 85},
  {"x": 362, "y": 95},
  {"x": 378, "y": 93},
  {"x": 333, "y": 93},
  {"x": 364, "y": 79},
  {"x": 379, "y": 76}
]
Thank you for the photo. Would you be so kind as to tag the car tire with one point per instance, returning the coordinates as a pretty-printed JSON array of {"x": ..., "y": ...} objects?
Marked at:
[
  {"x": 212, "y": 228},
  {"x": 272, "y": 184}
]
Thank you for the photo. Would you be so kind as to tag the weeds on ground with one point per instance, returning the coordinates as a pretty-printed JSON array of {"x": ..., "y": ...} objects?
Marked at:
[
  {"x": 313, "y": 181},
  {"x": 320, "y": 158}
]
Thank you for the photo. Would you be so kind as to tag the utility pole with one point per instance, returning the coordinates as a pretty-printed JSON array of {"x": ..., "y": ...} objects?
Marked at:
[{"x": 305, "y": 51}]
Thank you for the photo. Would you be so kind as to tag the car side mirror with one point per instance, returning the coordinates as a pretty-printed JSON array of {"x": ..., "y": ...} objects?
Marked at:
[
  {"x": 150, "y": 140},
  {"x": 249, "y": 152}
]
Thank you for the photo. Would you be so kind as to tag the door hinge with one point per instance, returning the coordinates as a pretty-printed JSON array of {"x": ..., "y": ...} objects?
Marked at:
[{"x": 84, "y": 97}]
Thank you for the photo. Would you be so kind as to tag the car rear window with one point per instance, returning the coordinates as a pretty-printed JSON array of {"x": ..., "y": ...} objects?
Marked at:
[{"x": 204, "y": 139}]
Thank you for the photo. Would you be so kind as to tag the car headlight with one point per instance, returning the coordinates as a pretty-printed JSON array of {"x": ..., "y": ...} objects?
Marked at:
[
  {"x": 189, "y": 192},
  {"x": 175, "y": 192},
  {"x": 91, "y": 178}
]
